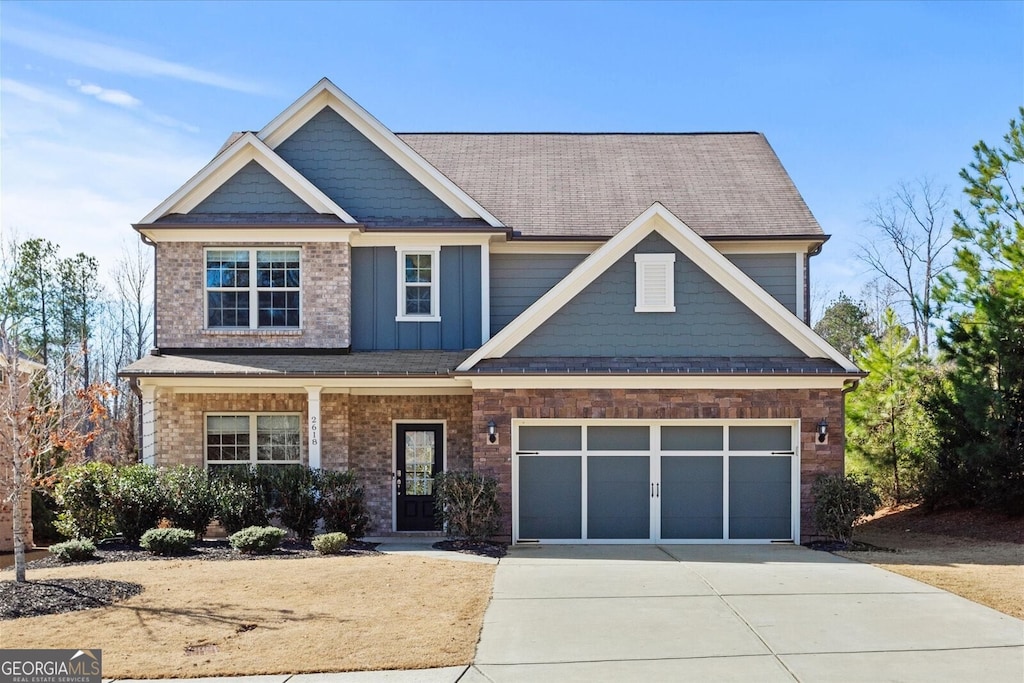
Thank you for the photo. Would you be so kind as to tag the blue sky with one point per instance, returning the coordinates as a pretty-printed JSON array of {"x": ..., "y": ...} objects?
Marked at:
[{"x": 106, "y": 108}]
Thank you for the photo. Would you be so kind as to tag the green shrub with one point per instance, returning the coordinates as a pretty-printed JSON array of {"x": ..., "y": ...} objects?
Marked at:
[
  {"x": 839, "y": 501},
  {"x": 136, "y": 500},
  {"x": 82, "y": 496},
  {"x": 342, "y": 504},
  {"x": 330, "y": 544},
  {"x": 44, "y": 517},
  {"x": 77, "y": 550},
  {"x": 239, "y": 497},
  {"x": 296, "y": 498},
  {"x": 257, "y": 539},
  {"x": 190, "y": 500},
  {"x": 167, "y": 541},
  {"x": 466, "y": 504}
]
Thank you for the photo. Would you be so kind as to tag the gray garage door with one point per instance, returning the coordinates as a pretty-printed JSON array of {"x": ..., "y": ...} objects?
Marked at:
[{"x": 643, "y": 483}]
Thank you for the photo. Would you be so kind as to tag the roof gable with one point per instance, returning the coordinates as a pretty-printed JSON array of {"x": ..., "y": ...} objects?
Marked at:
[
  {"x": 333, "y": 155},
  {"x": 252, "y": 190},
  {"x": 237, "y": 156},
  {"x": 326, "y": 94},
  {"x": 601, "y": 321},
  {"x": 658, "y": 219}
]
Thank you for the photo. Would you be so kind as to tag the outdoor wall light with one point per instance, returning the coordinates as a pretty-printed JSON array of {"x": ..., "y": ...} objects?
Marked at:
[
  {"x": 492, "y": 431},
  {"x": 822, "y": 430}
]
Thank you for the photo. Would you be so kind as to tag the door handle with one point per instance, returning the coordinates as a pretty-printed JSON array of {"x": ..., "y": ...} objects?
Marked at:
[
  {"x": 658, "y": 490},
  {"x": 652, "y": 489}
]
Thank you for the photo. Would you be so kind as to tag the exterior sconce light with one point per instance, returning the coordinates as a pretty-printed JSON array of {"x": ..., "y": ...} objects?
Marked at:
[
  {"x": 492, "y": 431},
  {"x": 822, "y": 430}
]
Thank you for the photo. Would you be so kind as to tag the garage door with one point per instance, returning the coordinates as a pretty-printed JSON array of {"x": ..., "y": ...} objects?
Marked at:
[{"x": 630, "y": 482}]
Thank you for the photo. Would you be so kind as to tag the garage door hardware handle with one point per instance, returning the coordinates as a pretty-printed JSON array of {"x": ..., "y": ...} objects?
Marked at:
[
  {"x": 527, "y": 452},
  {"x": 655, "y": 490},
  {"x": 783, "y": 453}
]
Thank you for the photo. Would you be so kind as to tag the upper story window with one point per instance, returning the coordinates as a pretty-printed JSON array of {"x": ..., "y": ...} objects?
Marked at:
[
  {"x": 418, "y": 285},
  {"x": 655, "y": 283},
  {"x": 252, "y": 288}
]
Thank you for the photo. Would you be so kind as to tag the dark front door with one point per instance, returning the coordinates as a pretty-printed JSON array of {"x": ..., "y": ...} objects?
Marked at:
[{"x": 420, "y": 457}]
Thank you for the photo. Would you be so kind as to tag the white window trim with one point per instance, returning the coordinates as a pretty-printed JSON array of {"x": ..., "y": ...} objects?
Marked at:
[
  {"x": 253, "y": 436},
  {"x": 642, "y": 263},
  {"x": 435, "y": 288},
  {"x": 253, "y": 289}
]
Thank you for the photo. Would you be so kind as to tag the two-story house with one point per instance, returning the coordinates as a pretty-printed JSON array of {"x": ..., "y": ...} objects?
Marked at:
[{"x": 613, "y": 325}]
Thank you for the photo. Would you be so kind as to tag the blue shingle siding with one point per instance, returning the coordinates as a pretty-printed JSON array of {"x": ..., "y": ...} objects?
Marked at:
[
  {"x": 252, "y": 190},
  {"x": 517, "y": 280},
  {"x": 776, "y": 273},
  {"x": 375, "y": 303},
  {"x": 356, "y": 174},
  {"x": 708, "y": 321}
]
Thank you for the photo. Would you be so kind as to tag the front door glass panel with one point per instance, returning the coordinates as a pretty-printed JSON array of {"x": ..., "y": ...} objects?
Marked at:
[{"x": 419, "y": 457}]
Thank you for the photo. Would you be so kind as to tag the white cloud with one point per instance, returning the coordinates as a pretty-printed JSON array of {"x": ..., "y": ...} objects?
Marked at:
[
  {"x": 116, "y": 97},
  {"x": 9, "y": 86},
  {"x": 113, "y": 59}
]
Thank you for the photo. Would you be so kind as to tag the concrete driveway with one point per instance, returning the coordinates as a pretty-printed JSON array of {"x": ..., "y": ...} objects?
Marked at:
[{"x": 744, "y": 613}]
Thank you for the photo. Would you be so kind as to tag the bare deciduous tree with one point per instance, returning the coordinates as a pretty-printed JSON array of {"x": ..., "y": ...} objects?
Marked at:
[{"x": 914, "y": 227}]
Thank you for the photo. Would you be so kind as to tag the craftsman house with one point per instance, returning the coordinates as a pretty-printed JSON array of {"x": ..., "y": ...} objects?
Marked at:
[{"x": 612, "y": 325}]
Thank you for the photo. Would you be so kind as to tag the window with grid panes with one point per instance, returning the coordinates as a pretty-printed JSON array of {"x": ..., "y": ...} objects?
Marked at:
[
  {"x": 252, "y": 288},
  {"x": 251, "y": 438}
]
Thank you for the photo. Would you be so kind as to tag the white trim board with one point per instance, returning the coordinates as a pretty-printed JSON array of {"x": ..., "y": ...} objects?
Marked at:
[
  {"x": 659, "y": 219},
  {"x": 246, "y": 148},
  {"x": 326, "y": 94}
]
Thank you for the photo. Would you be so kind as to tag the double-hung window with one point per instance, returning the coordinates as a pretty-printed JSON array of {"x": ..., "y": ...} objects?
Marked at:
[
  {"x": 252, "y": 288},
  {"x": 418, "y": 285},
  {"x": 253, "y": 439}
]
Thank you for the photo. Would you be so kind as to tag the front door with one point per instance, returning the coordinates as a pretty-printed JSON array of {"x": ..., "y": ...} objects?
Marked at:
[{"x": 420, "y": 455}]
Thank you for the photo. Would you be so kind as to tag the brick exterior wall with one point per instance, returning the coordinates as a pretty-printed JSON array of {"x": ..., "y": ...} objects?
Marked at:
[
  {"x": 371, "y": 452},
  {"x": 7, "y": 523},
  {"x": 326, "y": 296},
  {"x": 180, "y": 421},
  {"x": 357, "y": 433},
  {"x": 809, "y": 405}
]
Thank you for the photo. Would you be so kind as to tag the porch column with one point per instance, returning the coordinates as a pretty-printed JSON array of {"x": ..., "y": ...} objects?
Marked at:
[
  {"x": 148, "y": 418},
  {"x": 313, "y": 408}
]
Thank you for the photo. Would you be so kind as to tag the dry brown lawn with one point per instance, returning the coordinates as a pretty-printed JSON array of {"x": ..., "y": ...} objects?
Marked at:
[
  {"x": 198, "y": 618},
  {"x": 977, "y": 556}
]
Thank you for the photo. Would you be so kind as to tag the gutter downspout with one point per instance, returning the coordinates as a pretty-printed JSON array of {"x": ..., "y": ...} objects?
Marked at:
[{"x": 850, "y": 385}]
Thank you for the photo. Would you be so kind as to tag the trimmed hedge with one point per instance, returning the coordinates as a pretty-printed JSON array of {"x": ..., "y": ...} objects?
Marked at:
[
  {"x": 77, "y": 550},
  {"x": 330, "y": 544},
  {"x": 169, "y": 542},
  {"x": 257, "y": 539}
]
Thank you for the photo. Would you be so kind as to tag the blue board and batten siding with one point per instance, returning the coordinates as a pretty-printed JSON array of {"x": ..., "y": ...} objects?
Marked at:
[
  {"x": 252, "y": 190},
  {"x": 517, "y": 280},
  {"x": 356, "y": 174},
  {"x": 708, "y": 320},
  {"x": 375, "y": 303}
]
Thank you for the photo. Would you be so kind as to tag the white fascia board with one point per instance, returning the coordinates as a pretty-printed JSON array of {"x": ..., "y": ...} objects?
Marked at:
[
  {"x": 640, "y": 381},
  {"x": 764, "y": 246},
  {"x": 409, "y": 240},
  {"x": 325, "y": 93},
  {"x": 682, "y": 237},
  {"x": 247, "y": 235},
  {"x": 226, "y": 164}
]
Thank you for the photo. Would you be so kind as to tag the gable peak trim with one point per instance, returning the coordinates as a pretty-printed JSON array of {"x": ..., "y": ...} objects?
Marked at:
[
  {"x": 327, "y": 94},
  {"x": 243, "y": 150},
  {"x": 659, "y": 219}
]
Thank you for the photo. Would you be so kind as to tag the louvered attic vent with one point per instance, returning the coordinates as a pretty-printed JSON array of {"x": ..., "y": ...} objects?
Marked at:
[{"x": 655, "y": 285}]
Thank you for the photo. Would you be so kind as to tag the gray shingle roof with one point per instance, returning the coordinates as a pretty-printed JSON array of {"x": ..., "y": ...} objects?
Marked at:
[
  {"x": 658, "y": 366},
  {"x": 241, "y": 364},
  {"x": 592, "y": 185}
]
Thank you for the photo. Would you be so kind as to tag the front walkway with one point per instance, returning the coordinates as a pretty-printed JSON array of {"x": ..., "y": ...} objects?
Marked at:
[{"x": 752, "y": 613}]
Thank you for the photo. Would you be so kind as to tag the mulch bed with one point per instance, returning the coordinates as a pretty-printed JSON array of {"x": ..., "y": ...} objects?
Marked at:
[
  {"x": 974, "y": 523},
  {"x": 484, "y": 548},
  {"x": 56, "y": 596},
  {"x": 852, "y": 546}
]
